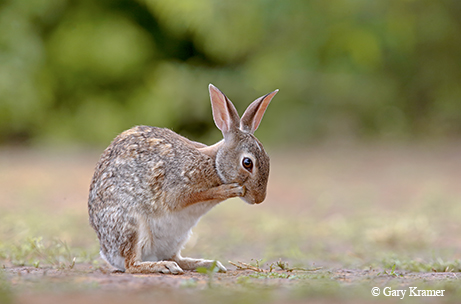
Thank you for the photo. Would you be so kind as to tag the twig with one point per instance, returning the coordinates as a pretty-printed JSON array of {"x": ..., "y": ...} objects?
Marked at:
[
  {"x": 310, "y": 269},
  {"x": 245, "y": 266},
  {"x": 282, "y": 266}
]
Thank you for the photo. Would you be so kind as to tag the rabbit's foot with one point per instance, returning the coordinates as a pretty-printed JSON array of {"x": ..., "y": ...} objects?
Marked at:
[
  {"x": 220, "y": 193},
  {"x": 231, "y": 190},
  {"x": 192, "y": 264},
  {"x": 167, "y": 267}
]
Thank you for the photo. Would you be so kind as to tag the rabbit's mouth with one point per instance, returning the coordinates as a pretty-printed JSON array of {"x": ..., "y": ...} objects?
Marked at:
[
  {"x": 246, "y": 198},
  {"x": 250, "y": 200}
]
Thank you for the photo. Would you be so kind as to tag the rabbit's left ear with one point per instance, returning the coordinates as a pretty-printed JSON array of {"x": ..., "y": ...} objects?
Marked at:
[
  {"x": 255, "y": 112},
  {"x": 225, "y": 115}
]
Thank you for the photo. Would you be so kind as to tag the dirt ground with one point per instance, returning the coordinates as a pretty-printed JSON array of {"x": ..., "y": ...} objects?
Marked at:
[
  {"x": 119, "y": 287},
  {"x": 346, "y": 214}
]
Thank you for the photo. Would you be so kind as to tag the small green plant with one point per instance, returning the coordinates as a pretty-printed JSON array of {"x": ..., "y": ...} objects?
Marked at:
[
  {"x": 286, "y": 267},
  {"x": 420, "y": 265},
  {"x": 270, "y": 275},
  {"x": 391, "y": 273},
  {"x": 35, "y": 252},
  {"x": 210, "y": 272}
]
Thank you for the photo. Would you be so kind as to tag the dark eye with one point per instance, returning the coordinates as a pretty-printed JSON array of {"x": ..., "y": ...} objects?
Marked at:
[{"x": 247, "y": 164}]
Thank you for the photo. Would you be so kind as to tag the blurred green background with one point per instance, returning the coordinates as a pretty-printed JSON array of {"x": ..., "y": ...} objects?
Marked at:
[{"x": 82, "y": 70}]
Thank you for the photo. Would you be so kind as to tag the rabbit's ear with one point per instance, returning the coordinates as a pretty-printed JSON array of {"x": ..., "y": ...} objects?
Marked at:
[
  {"x": 255, "y": 112},
  {"x": 225, "y": 115}
]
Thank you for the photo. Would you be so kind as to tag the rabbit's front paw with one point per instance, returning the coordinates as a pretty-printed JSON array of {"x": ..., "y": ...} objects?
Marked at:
[{"x": 232, "y": 190}]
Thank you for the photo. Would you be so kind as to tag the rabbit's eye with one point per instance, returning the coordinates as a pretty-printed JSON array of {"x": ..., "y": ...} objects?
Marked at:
[{"x": 247, "y": 164}]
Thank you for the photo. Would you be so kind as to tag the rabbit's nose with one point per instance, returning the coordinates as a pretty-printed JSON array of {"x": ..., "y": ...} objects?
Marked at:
[
  {"x": 260, "y": 197},
  {"x": 254, "y": 199}
]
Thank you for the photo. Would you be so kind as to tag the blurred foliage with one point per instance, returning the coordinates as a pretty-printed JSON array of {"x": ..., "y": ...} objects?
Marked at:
[{"x": 81, "y": 70}]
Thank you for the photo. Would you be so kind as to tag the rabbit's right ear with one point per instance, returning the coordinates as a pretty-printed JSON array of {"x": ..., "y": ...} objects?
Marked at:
[
  {"x": 255, "y": 112},
  {"x": 225, "y": 115}
]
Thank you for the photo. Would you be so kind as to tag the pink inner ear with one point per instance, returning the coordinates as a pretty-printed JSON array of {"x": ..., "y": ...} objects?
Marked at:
[
  {"x": 224, "y": 113},
  {"x": 218, "y": 108},
  {"x": 223, "y": 124},
  {"x": 255, "y": 112},
  {"x": 260, "y": 113}
]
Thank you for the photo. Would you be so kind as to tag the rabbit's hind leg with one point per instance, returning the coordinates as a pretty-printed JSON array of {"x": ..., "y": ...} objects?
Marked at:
[
  {"x": 131, "y": 251},
  {"x": 192, "y": 264},
  {"x": 166, "y": 267}
]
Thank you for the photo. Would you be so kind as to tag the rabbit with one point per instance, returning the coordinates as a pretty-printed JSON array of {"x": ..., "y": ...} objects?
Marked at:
[{"x": 151, "y": 186}]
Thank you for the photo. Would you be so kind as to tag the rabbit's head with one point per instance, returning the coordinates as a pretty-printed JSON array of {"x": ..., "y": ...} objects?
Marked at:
[{"x": 241, "y": 157}]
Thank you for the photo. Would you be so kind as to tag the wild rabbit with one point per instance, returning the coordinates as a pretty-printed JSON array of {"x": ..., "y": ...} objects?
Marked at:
[{"x": 151, "y": 186}]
